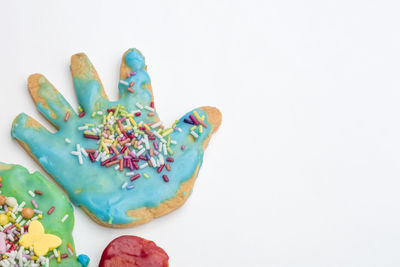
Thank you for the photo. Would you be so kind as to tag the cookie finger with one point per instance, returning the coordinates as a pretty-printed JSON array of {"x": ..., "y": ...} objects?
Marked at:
[
  {"x": 134, "y": 85},
  {"x": 88, "y": 87},
  {"x": 197, "y": 126},
  {"x": 49, "y": 101},
  {"x": 33, "y": 137}
]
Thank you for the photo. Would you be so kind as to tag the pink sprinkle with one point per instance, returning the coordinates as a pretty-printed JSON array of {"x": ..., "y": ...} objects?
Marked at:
[
  {"x": 51, "y": 210},
  {"x": 193, "y": 119},
  {"x": 135, "y": 176},
  {"x": 34, "y": 204},
  {"x": 155, "y": 145},
  {"x": 183, "y": 147},
  {"x": 165, "y": 177},
  {"x": 132, "y": 73},
  {"x": 160, "y": 168},
  {"x": 137, "y": 114},
  {"x": 123, "y": 149}
]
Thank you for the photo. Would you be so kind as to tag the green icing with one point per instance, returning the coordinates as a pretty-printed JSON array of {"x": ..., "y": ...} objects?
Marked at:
[{"x": 17, "y": 181}]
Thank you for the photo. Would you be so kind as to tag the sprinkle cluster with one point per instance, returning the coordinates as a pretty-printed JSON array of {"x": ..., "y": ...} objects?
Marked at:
[
  {"x": 128, "y": 144},
  {"x": 15, "y": 219}
]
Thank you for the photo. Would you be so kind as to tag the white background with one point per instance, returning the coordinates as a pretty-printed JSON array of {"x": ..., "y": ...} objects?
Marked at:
[{"x": 305, "y": 168}]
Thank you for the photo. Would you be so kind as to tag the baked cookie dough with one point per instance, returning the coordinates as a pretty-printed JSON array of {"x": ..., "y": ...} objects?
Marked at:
[
  {"x": 36, "y": 221},
  {"x": 116, "y": 159}
]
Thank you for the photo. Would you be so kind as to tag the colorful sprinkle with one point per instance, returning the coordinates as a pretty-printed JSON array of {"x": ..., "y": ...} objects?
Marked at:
[
  {"x": 67, "y": 116},
  {"x": 50, "y": 210},
  {"x": 165, "y": 177},
  {"x": 64, "y": 218}
]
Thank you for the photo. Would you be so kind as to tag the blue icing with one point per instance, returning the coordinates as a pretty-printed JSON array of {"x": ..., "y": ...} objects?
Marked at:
[
  {"x": 99, "y": 188},
  {"x": 88, "y": 93}
]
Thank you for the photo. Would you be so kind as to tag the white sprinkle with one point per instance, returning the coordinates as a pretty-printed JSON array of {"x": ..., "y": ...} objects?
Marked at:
[
  {"x": 116, "y": 167},
  {"x": 161, "y": 158},
  {"x": 155, "y": 125},
  {"x": 19, "y": 219},
  {"x": 22, "y": 223},
  {"x": 173, "y": 142},
  {"x": 67, "y": 141},
  {"x": 55, "y": 253},
  {"x": 84, "y": 152},
  {"x": 34, "y": 218},
  {"x": 38, "y": 211},
  {"x": 78, "y": 150},
  {"x": 144, "y": 165},
  {"x": 100, "y": 113},
  {"x": 149, "y": 108},
  {"x": 10, "y": 238},
  {"x": 82, "y": 128},
  {"x": 165, "y": 149},
  {"x": 124, "y": 82},
  {"x": 146, "y": 142},
  {"x": 140, "y": 152},
  {"x": 139, "y": 105},
  {"x": 129, "y": 173},
  {"x": 22, "y": 204},
  {"x": 31, "y": 193},
  {"x": 64, "y": 218},
  {"x": 179, "y": 129},
  {"x": 74, "y": 153},
  {"x": 160, "y": 147},
  {"x": 15, "y": 209},
  {"x": 13, "y": 215},
  {"x": 194, "y": 134},
  {"x": 157, "y": 134},
  {"x": 124, "y": 185},
  {"x": 105, "y": 157},
  {"x": 153, "y": 162},
  {"x": 99, "y": 156}
]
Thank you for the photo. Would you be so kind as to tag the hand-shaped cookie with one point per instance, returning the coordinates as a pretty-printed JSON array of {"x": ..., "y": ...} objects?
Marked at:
[
  {"x": 37, "y": 220},
  {"x": 116, "y": 160}
]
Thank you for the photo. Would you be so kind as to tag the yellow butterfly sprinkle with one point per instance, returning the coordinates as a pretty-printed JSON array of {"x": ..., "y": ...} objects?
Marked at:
[{"x": 37, "y": 239}]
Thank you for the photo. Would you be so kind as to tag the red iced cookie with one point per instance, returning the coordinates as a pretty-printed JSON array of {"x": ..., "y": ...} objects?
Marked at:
[{"x": 133, "y": 251}]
